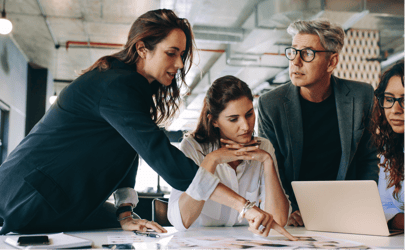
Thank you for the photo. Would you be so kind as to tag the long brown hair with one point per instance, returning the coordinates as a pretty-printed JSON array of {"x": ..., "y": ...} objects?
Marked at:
[
  {"x": 389, "y": 144},
  {"x": 151, "y": 28},
  {"x": 221, "y": 92}
]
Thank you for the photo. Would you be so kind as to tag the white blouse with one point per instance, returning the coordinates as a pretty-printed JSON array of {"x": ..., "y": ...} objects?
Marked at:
[
  {"x": 247, "y": 181},
  {"x": 390, "y": 204}
]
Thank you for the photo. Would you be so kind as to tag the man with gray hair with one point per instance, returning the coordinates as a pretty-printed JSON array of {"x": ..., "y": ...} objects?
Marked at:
[{"x": 318, "y": 123}]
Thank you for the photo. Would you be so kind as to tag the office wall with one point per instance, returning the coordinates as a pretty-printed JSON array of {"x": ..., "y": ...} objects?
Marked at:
[{"x": 13, "y": 88}]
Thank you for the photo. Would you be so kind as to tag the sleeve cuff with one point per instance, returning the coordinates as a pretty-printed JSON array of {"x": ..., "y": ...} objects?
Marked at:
[
  {"x": 203, "y": 185},
  {"x": 125, "y": 195},
  {"x": 173, "y": 212}
]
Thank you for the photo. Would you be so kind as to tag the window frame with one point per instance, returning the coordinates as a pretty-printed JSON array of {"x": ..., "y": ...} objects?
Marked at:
[{"x": 4, "y": 127}]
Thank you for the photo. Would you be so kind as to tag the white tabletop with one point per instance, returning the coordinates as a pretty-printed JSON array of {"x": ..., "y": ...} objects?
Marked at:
[{"x": 100, "y": 237}]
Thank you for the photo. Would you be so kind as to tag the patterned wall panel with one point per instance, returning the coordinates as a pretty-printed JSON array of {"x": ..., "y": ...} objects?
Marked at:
[{"x": 360, "y": 45}]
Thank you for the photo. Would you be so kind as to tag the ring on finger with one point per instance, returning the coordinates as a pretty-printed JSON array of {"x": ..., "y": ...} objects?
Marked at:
[{"x": 261, "y": 228}]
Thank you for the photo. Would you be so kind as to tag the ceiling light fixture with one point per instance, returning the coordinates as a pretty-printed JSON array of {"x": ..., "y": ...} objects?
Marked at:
[
  {"x": 53, "y": 98},
  {"x": 5, "y": 25}
]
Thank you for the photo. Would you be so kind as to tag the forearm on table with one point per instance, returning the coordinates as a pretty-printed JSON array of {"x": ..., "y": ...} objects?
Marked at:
[
  {"x": 226, "y": 196},
  {"x": 276, "y": 201},
  {"x": 190, "y": 209}
]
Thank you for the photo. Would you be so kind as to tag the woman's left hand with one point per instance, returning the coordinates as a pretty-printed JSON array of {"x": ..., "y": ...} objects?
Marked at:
[{"x": 132, "y": 224}]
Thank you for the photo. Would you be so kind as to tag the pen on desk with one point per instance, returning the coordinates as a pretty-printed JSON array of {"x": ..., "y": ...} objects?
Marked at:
[{"x": 153, "y": 235}]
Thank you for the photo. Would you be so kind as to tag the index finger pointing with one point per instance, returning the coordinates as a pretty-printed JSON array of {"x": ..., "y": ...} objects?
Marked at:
[{"x": 281, "y": 230}]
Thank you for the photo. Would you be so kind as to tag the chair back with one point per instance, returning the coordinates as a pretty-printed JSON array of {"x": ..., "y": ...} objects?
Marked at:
[{"x": 159, "y": 211}]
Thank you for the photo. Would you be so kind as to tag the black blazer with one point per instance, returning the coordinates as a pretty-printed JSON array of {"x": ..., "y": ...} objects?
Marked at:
[
  {"x": 280, "y": 121},
  {"x": 87, "y": 145}
]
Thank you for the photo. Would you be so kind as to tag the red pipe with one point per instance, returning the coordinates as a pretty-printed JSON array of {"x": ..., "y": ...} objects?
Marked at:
[
  {"x": 213, "y": 50},
  {"x": 273, "y": 54},
  {"x": 115, "y": 45},
  {"x": 222, "y": 51}
]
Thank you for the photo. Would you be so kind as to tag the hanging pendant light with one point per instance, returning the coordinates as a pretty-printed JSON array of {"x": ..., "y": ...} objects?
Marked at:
[
  {"x": 53, "y": 98},
  {"x": 5, "y": 25}
]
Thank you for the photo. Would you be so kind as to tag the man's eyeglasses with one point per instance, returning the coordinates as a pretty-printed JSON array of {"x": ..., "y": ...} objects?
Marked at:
[
  {"x": 307, "y": 55},
  {"x": 387, "y": 102}
]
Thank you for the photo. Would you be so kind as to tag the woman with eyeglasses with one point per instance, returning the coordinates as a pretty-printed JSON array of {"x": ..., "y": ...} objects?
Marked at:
[{"x": 388, "y": 133}]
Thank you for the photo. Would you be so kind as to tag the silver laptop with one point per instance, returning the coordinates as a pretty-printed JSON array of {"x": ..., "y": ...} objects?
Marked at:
[{"x": 341, "y": 206}]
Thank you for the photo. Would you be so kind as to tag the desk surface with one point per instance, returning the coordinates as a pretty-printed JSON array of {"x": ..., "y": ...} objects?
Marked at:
[{"x": 100, "y": 237}]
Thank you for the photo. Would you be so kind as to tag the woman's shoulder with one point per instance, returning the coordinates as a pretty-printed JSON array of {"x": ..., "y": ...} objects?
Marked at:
[
  {"x": 188, "y": 139},
  {"x": 192, "y": 149},
  {"x": 189, "y": 142}
]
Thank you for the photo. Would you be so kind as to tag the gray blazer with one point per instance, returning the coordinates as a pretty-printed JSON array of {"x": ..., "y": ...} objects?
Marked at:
[{"x": 280, "y": 121}]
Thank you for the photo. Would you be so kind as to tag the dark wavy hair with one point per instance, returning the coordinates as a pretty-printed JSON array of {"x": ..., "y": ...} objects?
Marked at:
[
  {"x": 221, "y": 92},
  {"x": 151, "y": 28},
  {"x": 389, "y": 144}
]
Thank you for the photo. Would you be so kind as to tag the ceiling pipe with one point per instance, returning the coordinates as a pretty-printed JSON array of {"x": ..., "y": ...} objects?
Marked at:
[
  {"x": 248, "y": 59},
  {"x": 356, "y": 17},
  {"x": 94, "y": 45},
  {"x": 119, "y": 45},
  {"x": 218, "y": 34}
]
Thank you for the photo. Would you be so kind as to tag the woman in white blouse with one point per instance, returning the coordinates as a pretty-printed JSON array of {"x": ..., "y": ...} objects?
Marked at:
[
  {"x": 388, "y": 133},
  {"x": 226, "y": 124}
]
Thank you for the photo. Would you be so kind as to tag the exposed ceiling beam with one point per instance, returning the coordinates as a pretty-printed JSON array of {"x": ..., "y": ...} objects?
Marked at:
[
  {"x": 55, "y": 41},
  {"x": 354, "y": 19},
  {"x": 392, "y": 59}
]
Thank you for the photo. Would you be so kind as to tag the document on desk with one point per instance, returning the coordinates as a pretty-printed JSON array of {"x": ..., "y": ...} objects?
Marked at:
[
  {"x": 205, "y": 242},
  {"x": 260, "y": 243},
  {"x": 142, "y": 241}
]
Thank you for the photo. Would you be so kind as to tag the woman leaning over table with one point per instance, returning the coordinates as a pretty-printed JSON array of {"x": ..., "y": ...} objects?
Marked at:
[
  {"x": 87, "y": 145},
  {"x": 388, "y": 133},
  {"x": 227, "y": 123}
]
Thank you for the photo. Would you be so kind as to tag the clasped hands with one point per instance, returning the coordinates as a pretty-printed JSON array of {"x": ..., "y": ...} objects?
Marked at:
[{"x": 231, "y": 151}]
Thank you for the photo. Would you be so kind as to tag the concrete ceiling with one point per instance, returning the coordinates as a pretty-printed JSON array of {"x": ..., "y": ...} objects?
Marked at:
[{"x": 245, "y": 38}]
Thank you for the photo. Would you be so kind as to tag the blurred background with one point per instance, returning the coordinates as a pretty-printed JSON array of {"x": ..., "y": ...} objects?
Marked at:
[{"x": 51, "y": 41}]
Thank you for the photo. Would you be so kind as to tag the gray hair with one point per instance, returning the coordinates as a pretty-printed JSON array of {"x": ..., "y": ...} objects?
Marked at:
[{"x": 331, "y": 35}]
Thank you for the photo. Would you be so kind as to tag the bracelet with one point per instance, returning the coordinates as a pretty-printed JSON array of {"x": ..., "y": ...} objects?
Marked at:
[
  {"x": 126, "y": 217},
  {"x": 248, "y": 205}
]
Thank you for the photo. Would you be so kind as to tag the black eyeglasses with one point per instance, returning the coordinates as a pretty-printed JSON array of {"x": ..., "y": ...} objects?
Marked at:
[
  {"x": 387, "y": 102},
  {"x": 307, "y": 55}
]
